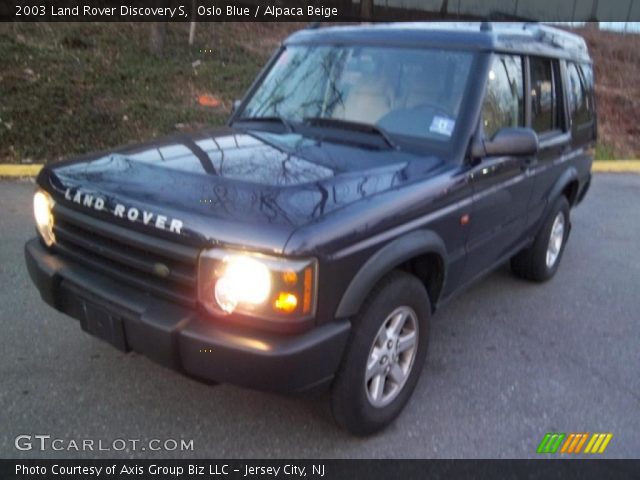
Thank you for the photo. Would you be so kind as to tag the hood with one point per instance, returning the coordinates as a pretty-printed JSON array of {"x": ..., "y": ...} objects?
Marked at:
[{"x": 229, "y": 186}]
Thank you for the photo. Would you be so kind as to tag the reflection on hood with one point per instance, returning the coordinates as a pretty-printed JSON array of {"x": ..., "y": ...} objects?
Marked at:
[{"x": 246, "y": 180}]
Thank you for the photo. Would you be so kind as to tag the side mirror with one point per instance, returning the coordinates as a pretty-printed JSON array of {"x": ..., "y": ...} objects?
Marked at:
[
  {"x": 236, "y": 104},
  {"x": 508, "y": 141}
]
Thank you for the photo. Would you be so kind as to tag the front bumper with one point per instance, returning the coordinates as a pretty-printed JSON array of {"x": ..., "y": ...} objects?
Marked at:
[{"x": 183, "y": 339}]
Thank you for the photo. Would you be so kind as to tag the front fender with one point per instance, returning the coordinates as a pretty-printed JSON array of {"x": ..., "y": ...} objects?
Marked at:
[
  {"x": 395, "y": 253},
  {"x": 568, "y": 176}
]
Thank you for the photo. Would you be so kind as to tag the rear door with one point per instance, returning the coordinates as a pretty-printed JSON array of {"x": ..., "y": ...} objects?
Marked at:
[
  {"x": 501, "y": 185},
  {"x": 548, "y": 119}
]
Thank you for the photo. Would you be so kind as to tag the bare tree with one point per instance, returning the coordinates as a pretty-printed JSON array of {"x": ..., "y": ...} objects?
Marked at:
[{"x": 157, "y": 36}]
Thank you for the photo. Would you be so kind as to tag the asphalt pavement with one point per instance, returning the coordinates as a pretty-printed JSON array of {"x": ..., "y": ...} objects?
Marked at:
[{"x": 509, "y": 361}]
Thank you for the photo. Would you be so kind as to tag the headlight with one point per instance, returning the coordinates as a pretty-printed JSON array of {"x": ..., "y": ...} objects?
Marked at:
[
  {"x": 243, "y": 280},
  {"x": 42, "y": 211},
  {"x": 257, "y": 285}
]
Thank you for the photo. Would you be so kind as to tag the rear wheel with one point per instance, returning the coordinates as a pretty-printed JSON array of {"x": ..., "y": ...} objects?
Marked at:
[
  {"x": 385, "y": 355},
  {"x": 540, "y": 261}
]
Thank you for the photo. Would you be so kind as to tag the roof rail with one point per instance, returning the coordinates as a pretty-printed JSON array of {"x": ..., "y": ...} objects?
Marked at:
[
  {"x": 556, "y": 37},
  {"x": 486, "y": 26}
]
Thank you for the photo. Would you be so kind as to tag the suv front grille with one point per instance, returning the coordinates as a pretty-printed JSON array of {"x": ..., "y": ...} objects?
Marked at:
[{"x": 148, "y": 263}]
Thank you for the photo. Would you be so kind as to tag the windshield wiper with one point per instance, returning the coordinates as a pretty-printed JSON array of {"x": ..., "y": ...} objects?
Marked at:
[
  {"x": 286, "y": 123},
  {"x": 353, "y": 126}
]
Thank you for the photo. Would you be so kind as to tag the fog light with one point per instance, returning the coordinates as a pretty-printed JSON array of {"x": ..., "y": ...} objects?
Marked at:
[
  {"x": 42, "y": 207},
  {"x": 286, "y": 302},
  {"x": 244, "y": 280}
]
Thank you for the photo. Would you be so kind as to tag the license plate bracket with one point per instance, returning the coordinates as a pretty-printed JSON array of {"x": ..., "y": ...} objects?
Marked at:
[{"x": 101, "y": 323}]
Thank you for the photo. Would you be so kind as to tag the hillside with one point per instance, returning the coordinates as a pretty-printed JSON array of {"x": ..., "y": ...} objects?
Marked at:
[
  {"x": 73, "y": 88},
  {"x": 616, "y": 57},
  {"x": 69, "y": 88}
]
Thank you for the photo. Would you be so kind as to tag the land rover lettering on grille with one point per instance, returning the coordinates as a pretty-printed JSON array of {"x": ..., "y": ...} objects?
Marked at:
[{"x": 147, "y": 217}]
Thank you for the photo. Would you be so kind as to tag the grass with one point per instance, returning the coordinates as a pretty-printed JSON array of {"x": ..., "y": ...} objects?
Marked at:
[
  {"x": 604, "y": 152},
  {"x": 68, "y": 89}
]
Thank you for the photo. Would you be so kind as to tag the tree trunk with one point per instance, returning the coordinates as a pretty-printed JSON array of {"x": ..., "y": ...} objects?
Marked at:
[
  {"x": 366, "y": 9},
  {"x": 444, "y": 9},
  {"x": 192, "y": 33},
  {"x": 346, "y": 8},
  {"x": 156, "y": 37},
  {"x": 594, "y": 11},
  {"x": 192, "y": 27}
]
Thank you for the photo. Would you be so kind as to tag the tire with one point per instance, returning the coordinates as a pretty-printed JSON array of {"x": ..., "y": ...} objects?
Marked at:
[
  {"x": 532, "y": 263},
  {"x": 356, "y": 404}
]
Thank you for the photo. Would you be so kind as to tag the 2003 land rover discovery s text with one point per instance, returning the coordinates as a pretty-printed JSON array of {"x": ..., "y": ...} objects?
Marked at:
[{"x": 369, "y": 174}]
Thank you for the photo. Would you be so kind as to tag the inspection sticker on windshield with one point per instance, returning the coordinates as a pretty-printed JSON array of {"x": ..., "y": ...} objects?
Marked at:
[{"x": 442, "y": 125}]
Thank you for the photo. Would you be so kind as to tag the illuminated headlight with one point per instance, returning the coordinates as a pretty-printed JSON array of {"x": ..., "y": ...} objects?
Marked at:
[
  {"x": 257, "y": 285},
  {"x": 42, "y": 211},
  {"x": 242, "y": 280}
]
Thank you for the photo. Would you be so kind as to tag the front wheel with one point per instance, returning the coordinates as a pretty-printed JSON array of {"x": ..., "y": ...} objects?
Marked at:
[{"x": 384, "y": 357}]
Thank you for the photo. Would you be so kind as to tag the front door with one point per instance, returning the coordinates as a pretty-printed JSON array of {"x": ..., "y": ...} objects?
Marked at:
[{"x": 502, "y": 186}]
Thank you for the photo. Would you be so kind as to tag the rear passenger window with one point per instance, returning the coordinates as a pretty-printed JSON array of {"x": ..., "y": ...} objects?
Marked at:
[
  {"x": 503, "y": 103},
  {"x": 586, "y": 72},
  {"x": 545, "y": 105},
  {"x": 579, "y": 96}
]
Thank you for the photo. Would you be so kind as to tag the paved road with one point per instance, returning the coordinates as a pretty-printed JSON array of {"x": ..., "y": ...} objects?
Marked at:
[{"x": 509, "y": 361}]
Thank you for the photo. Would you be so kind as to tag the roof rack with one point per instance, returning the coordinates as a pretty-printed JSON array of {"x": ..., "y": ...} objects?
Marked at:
[{"x": 556, "y": 37}]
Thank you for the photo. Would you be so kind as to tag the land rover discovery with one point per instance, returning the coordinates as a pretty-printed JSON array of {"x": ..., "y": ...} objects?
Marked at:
[{"x": 369, "y": 174}]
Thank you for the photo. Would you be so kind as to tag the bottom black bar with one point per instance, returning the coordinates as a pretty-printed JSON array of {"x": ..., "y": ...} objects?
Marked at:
[{"x": 319, "y": 469}]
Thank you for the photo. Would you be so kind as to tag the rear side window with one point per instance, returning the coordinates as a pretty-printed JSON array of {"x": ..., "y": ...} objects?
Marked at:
[
  {"x": 504, "y": 99},
  {"x": 545, "y": 105},
  {"x": 580, "y": 97}
]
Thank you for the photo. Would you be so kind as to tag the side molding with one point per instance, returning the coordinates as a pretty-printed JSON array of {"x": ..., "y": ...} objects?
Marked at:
[{"x": 396, "y": 252}]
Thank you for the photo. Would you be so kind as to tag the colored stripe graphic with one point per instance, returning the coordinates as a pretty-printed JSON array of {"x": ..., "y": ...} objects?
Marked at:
[
  {"x": 581, "y": 443},
  {"x": 551, "y": 442},
  {"x": 598, "y": 443},
  {"x": 573, "y": 443}
]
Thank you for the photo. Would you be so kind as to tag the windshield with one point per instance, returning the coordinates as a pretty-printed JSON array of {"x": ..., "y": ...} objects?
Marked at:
[{"x": 404, "y": 91}]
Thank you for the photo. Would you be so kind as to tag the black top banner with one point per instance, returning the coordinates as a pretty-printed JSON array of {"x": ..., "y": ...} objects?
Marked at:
[
  {"x": 319, "y": 469},
  {"x": 317, "y": 10}
]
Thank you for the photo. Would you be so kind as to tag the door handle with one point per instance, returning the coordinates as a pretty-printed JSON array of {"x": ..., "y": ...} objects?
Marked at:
[{"x": 526, "y": 163}]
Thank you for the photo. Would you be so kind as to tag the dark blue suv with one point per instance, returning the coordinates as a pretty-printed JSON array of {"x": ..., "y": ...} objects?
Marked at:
[{"x": 369, "y": 174}]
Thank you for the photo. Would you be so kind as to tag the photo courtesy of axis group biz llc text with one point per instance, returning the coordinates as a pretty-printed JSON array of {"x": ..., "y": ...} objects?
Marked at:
[
  {"x": 168, "y": 470},
  {"x": 323, "y": 239}
]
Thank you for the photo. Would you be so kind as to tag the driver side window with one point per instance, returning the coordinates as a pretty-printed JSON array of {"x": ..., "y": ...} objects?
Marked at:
[{"x": 504, "y": 99}]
